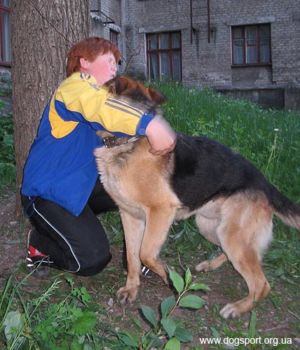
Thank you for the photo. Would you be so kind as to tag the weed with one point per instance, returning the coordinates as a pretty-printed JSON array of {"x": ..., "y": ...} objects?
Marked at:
[
  {"x": 40, "y": 324},
  {"x": 165, "y": 331},
  {"x": 7, "y": 155}
]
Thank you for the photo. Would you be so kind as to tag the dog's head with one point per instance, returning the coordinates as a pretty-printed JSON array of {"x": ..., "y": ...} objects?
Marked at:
[{"x": 135, "y": 91}]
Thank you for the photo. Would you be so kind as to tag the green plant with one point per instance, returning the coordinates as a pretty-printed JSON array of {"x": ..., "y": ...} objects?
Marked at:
[
  {"x": 5, "y": 85},
  {"x": 282, "y": 265},
  {"x": 249, "y": 339},
  {"x": 165, "y": 331},
  {"x": 40, "y": 323},
  {"x": 229, "y": 338},
  {"x": 7, "y": 153}
]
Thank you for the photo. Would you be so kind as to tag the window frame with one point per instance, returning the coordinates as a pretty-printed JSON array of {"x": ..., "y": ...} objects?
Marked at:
[
  {"x": 114, "y": 37},
  {"x": 7, "y": 10},
  {"x": 157, "y": 51},
  {"x": 258, "y": 63}
]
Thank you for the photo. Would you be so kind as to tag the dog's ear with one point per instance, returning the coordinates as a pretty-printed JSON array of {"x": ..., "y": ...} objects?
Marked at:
[
  {"x": 157, "y": 96},
  {"x": 121, "y": 85},
  {"x": 117, "y": 85}
]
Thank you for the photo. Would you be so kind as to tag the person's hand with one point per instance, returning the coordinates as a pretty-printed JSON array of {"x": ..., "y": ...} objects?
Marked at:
[{"x": 161, "y": 137}]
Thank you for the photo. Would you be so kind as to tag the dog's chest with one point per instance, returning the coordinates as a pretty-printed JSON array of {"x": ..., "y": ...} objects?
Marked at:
[{"x": 113, "y": 182}]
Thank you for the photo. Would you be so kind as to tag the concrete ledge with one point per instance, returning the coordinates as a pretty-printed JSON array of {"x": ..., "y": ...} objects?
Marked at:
[
  {"x": 292, "y": 98},
  {"x": 265, "y": 97}
]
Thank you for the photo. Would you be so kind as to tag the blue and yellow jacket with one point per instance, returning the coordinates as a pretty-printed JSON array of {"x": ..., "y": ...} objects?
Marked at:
[{"x": 60, "y": 166}]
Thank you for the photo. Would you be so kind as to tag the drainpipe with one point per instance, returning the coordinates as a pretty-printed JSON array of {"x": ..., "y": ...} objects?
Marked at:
[
  {"x": 191, "y": 19},
  {"x": 208, "y": 21},
  {"x": 123, "y": 5}
]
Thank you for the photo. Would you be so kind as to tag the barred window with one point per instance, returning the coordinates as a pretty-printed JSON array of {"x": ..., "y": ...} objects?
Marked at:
[
  {"x": 5, "y": 48},
  {"x": 251, "y": 45},
  {"x": 114, "y": 37},
  {"x": 164, "y": 56}
]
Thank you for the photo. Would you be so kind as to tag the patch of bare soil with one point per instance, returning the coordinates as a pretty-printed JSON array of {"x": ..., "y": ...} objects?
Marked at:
[{"x": 12, "y": 237}]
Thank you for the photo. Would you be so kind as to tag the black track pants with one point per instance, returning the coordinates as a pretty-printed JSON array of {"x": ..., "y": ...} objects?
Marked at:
[{"x": 77, "y": 244}]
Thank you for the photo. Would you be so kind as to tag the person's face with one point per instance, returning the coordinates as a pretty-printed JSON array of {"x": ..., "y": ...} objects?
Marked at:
[{"x": 103, "y": 68}]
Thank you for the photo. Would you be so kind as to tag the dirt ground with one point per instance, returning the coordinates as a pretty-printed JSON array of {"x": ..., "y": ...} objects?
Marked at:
[
  {"x": 12, "y": 236},
  {"x": 277, "y": 316}
]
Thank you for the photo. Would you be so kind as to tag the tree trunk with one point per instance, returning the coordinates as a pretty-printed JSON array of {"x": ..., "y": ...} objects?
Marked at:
[{"x": 42, "y": 33}]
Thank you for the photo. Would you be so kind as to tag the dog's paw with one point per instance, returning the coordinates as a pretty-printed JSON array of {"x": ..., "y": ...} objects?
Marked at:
[
  {"x": 204, "y": 266},
  {"x": 127, "y": 294},
  {"x": 233, "y": 310},
  {"x": 166, "y": 280},
  {"x": 230, "y": 311}
]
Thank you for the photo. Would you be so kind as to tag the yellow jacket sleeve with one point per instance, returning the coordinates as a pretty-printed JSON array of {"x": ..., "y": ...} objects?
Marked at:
[{"x": 80, "y": 94}]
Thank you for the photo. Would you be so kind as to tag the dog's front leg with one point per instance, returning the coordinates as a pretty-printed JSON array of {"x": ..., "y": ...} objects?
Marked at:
[
  {"x": 133, "y": 230},
  {"x": 158, "y": 222}
]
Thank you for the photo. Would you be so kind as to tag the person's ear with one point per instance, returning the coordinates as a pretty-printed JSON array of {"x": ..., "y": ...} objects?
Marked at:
[{"x": 84, "y": 63}]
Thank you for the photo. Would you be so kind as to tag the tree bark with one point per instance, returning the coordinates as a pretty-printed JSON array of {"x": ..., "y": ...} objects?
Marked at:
[{"x": 42, "y": 33}]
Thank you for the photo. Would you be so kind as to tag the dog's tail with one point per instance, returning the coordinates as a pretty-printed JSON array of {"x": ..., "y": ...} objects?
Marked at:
[{"x": 284, "y": 208}]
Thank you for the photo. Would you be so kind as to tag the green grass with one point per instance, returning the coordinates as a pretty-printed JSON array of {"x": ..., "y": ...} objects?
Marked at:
[
  {"x": 7, "y": 155},
  {"x": 269, "y": 138}
]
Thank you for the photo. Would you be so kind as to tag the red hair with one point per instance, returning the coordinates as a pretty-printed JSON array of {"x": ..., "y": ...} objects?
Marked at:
[{"x": 89, "y": 49}]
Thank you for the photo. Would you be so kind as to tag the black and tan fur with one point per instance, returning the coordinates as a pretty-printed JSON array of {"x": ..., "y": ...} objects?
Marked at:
[{"x": 231, "y": 200}]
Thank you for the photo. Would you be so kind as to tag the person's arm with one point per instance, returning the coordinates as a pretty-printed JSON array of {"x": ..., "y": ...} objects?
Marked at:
[
  {"x": 161, "y": 136},
  {"x": 106, "y": 111}
]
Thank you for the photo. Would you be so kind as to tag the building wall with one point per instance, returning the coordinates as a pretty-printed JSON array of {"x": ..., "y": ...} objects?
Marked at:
[
  {"x": 107, "y": 10},
  {"x": 207, "y": 51},
  {"x": 207, "y": 63}
]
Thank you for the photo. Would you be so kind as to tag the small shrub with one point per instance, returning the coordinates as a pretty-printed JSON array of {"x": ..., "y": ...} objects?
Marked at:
[
  {"x": 40, "y": 323},
  {"x": 7, "y": 153},
  {"x": 166, "y": 332}
]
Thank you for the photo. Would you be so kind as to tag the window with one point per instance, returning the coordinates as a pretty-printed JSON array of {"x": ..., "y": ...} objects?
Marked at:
[
  {"x": 251, "y": 45},
  {"x": 113, "y": 36},
  {"x": 164, "y": 56},
  {"x": 5, "y": 53}
]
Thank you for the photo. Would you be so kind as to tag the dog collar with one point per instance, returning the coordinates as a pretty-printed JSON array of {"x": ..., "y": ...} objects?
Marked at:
[{"x": 114, "y": 141}]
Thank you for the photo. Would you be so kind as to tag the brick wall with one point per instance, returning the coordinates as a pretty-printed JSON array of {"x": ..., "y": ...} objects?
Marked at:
[
  {"x": 206, "y": 51},
  {"x": 99, "y": 25},
  {"x": 209, "y": 63}
]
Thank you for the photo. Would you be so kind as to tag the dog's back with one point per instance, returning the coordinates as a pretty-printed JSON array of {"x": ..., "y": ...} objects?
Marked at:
[{"x": 205, "y": 169}]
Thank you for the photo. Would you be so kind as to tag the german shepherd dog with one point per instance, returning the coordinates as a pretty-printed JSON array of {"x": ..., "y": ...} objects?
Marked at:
[{"x": 232, "y": 201}]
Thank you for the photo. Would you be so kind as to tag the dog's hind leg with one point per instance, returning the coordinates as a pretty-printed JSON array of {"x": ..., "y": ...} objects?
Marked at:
[
  {"x": 208, "y": 228},
  {"x": 245, "y": 260},
  {"x": 133, "y": 230},
  {"x": 240, "y": 233},
  {"x": 158, "y": 222},
  {"x": 213, "y": 264}
]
